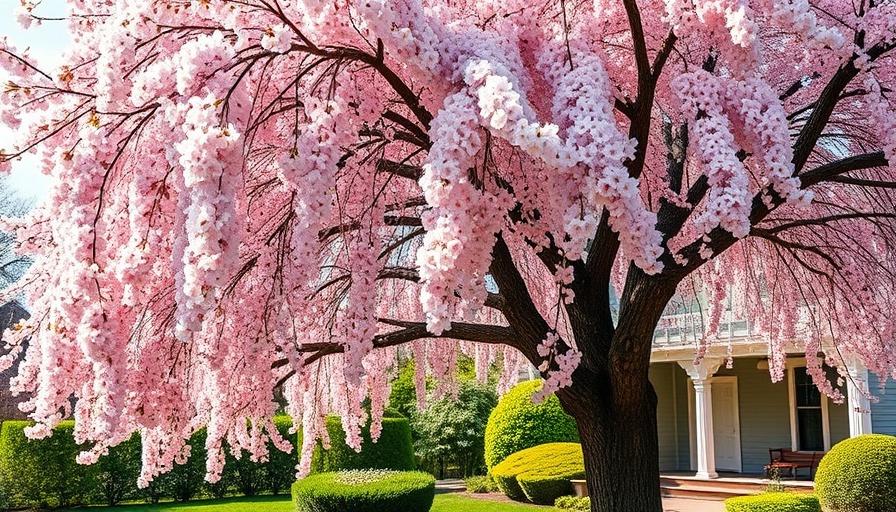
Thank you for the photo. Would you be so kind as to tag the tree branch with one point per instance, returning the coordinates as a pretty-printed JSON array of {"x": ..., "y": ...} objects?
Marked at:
[{"x": 831, "y": 171}]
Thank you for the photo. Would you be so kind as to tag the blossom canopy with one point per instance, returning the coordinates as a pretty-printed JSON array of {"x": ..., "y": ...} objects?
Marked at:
[{"x": 262, "y": 194}]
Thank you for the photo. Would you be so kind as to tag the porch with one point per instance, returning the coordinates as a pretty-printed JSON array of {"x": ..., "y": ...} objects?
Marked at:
[{"x": 718, "y": 424}]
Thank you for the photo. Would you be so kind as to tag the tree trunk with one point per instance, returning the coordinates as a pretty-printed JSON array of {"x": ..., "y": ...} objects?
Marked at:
[{"x": 619, "y": 440}]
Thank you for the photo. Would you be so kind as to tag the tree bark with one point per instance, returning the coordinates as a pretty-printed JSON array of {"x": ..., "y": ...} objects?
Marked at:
[{"x": 617, "y": 430}]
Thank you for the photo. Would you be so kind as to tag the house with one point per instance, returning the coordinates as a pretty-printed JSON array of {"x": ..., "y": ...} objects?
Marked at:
[
  {"x": 713, "y": 418},
  {"x": 10, "y": 314}
]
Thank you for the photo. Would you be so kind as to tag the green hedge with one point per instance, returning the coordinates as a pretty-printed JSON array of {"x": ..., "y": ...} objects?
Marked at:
[
  {"x": 773, "y": 502},
  {"x": 43, "y": 473},
  {"x": 393, "y": 450},
  {"x": 858, "y": 474},
  {"x": 516, "y": 423},
  {"x": 540, "y": 474},
  {"x": 365, "y": 491}
]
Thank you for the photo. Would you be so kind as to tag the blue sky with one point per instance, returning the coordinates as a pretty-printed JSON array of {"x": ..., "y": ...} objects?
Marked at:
[{"x": 46, "y": 42}]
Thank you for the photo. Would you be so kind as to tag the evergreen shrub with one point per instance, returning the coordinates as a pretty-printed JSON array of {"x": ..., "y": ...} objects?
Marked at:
[
  {"x": 365, "y": 491},
  {"x": 540, "y": 474},
  {"x": 773, "y": 502},
  {"x": 480, "y": 484},
  {"x": 516, "y": 423},
  {"x": 574, "y": 503},
  {"x": 393, "y": 450},
  {"x": 450, "y": 431},
  {"x": 117, "y": 473},
  {"x": 858, "y": 475},
  {"x": 42, "y": 473}
]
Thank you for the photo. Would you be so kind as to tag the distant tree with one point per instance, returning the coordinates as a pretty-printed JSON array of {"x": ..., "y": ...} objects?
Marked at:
[
  {"x": 451, "y": 431},
  {"x": 12, "y": 204}
]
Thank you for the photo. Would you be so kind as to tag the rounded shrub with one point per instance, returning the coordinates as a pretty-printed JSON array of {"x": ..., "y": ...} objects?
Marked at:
[
  {"x": 773, "y": 502},
  {"x": 540, "y": 474},
  {"x": 393, "y": 450},
  {"x": 573, "y": 503},
  {"x": 365, "y": 491},
  {"x": 516, "y": 423},
  {"x": 858, "y": 475}
]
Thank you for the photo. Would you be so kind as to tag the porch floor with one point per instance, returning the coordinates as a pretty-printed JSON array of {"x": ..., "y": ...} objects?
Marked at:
[{"x": 686, "y": 484}]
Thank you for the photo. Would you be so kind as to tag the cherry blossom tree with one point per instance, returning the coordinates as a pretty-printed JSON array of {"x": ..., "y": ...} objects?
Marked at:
[{"x": 252, "y": 194}]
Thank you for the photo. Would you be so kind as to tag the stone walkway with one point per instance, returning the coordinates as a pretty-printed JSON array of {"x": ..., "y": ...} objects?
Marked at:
[{"x": 669, "y": 504}]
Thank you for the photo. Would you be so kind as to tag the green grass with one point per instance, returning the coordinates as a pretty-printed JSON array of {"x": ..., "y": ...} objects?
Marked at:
[
  {"x": 455, "y": 503},
  {"x": 282, "y": 503}
]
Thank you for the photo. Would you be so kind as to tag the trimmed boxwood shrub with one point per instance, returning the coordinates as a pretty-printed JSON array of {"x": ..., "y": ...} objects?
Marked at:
[
  {"x": 393, "y": 450},
  {"x": 516, "y": 423},
  {"x": 43, "y": 473},
  {"x": 858, "y": 475},
  {"x": 365, "y": 491},
  {"x": 576, "y": 503},
  {"x": 540, "y": 474},
  {"x": 773, "y": 502}
]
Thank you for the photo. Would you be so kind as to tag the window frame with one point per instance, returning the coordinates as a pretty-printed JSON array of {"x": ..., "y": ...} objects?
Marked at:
[{"x": 794, "y": 426}]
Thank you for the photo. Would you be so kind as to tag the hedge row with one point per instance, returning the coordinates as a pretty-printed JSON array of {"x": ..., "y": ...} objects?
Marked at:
[
  {"x": 43, "y": 473},
  {"x": 393, "y": 450},
  {"x": 773, "y": 502}
]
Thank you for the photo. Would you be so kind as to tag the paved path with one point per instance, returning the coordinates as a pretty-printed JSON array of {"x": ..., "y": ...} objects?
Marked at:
[
  {"x": 669, "y": 504},
  {"x": 689, "y": 505}
]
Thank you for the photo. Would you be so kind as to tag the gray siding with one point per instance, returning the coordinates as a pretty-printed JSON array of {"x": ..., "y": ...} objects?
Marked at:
[
  {"x": 883, "y": 413},
  {"x": 764, "y": 413},
  {"x": 661, "y": 377},
  {"x": 680, "y": 381},
  {"x": 838, "y": 415}
]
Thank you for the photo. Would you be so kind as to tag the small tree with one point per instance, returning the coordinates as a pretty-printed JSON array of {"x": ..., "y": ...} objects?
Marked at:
[{"x": 451, "y": 431}]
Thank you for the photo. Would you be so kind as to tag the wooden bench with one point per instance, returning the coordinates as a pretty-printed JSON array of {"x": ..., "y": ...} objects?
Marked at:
[{"x": 785, "y": 459}]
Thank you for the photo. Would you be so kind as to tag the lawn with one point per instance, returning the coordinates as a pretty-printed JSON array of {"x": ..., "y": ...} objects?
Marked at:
[{"x": 442, "y": 503}]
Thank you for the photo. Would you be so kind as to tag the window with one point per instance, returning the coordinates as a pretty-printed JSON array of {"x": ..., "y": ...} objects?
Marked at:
[{"x": 809, "y": 415}]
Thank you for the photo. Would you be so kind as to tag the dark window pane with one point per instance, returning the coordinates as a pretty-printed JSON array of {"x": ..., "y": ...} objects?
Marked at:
[
  {"x": 809, "y": 424},
  {"x": 807, "y": 395}
]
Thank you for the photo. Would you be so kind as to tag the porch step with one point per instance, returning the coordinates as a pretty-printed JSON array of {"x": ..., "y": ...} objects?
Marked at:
[
  {"x": 702, "y": 492},
  {"x": 691, "y": 487}
]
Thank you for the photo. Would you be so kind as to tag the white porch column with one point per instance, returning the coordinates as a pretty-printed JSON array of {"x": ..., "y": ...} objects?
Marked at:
[
  {"x": 859, "y": 406},
  {"x": 701, "y": 375}
]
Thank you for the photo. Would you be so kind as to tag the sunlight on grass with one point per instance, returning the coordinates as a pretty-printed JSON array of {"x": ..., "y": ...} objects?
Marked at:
[
  {"x": 282, "y": 503},
  {"x": 457, "y": 503}
]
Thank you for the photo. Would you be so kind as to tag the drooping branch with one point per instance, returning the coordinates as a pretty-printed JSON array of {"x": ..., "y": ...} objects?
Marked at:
[
  {"x": 772, "y": 237},
  {"x": 408, "y": 332},
  {"x": 833, "y": 171}
]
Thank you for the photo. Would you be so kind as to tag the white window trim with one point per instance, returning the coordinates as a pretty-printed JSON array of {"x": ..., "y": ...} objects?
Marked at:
[{"x": 791, "y": 392}]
